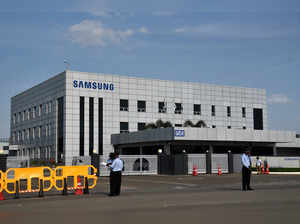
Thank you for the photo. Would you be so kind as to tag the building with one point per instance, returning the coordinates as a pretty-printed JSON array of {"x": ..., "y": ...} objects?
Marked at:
[{"x": 76, "y": 114}]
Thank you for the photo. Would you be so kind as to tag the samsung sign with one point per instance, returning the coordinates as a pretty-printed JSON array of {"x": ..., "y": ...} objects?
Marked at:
[
  {"x": 179, "y": 133},
  {"x": 93, "y": 85}
]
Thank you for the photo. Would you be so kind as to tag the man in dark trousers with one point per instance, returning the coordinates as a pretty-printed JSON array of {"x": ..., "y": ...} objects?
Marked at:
[
  {"x": 246, "y": 170},
  {"x": 116, "y": 175},
  {"x": 110, "y": 160}
]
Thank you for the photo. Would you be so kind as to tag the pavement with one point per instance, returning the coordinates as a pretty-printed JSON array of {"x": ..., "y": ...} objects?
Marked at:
[{"x": 166, "y": 199}]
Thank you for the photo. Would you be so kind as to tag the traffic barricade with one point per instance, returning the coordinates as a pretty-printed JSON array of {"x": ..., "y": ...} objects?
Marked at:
[
  {"x": 1, "y": 180},
  {"x": 66, "y": 178},
  {"x": 26, "y": 180}
]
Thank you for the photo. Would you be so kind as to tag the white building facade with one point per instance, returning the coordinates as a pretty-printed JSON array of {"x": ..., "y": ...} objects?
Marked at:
[{"x": 75, "y": 113}]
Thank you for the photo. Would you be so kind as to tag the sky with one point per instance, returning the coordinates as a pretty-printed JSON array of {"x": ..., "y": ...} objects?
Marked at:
[{"x": 252, "y": 44}]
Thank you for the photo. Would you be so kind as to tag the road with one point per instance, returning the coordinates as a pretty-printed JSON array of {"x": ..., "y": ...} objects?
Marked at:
[{"x": 166, "y": 199}]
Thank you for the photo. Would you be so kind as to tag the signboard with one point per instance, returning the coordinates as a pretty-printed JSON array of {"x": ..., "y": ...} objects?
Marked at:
[{"x": 179, "y": 133}]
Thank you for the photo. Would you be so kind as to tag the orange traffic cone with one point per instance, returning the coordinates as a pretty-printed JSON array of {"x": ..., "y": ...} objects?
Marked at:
[
  {"x": 79, "y": 188},
  {"x": 268, "y": 170},
  {"x": 1, "y": 195},
  {"x": 219, "y": 171},
  {"x": 195, "y": 172}
]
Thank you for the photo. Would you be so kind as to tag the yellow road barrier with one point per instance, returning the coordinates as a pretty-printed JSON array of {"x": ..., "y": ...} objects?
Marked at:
[
  {"x": 1, "y": 181},
  {"x": 66, "y": 177},
  {"x": 24, "y": 180}
]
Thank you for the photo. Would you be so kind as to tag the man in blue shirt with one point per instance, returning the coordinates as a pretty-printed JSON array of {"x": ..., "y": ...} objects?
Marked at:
[
  {"x": 246, "y": 170},
  {"x": 116, "y": 175}
]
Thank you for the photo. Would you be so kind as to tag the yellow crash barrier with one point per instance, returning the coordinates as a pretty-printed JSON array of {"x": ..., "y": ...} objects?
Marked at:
[
  {"x": 1, "y": 180},
  {"x": 23, "y": 180},
  {"x": 74, "y": 177}
]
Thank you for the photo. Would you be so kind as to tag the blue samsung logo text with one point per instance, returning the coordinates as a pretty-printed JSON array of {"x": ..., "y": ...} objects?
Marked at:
[{"x": 93, "y": 85}]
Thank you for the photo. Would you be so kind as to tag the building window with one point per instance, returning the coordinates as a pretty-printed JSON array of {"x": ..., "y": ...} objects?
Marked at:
[
  {"x": 81, "y": 126},
  {"x": 19, "y": 117},
  {"x": 33, "y": 132},
  {"x": 197, "y": 109},
  {"x": 141, "y": 126},
  {"x": 178, "y": 108},
  {"x": 23, "y": 116},
  {"x": 229, "y": 127},
  {"x": 50, "y": 107},
  {"x": 162, "y": 108},
  {"x": 14, "y": 118},
  {"x": 213, "y": 110},
  {"x": 123, "y": 105},
  {"x": 213, "y": 126},
  {"x": 34, "y": 112},
  {"x": 100, "y": 126},
  {"x": 178, "y": 125},
  {"x": 40, "y": 132},
  {"x": 244, "y": 111},
  {"x": 91, "y": 126},
  {"x": 40, "y": 109},
  {"x": 60, "y": 128},
  {"x": 29, "y": 113},
  {"x": 141, "y": 106},
  {"x": 123, "y": 127},
  {"x": 244, "y": 127},
  {"x": 228, "y": 111},
  {"x": 29, "y": 133}
]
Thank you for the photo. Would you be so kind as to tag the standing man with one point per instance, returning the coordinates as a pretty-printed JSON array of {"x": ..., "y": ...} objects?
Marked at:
[
  {"x": 108, "y": 164},
  {"x": 246, "y": 170},
  {"x": 116, "y": 175}
]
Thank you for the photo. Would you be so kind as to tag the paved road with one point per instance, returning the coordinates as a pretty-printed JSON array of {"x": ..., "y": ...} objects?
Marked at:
[{"x": 167, "y": 199}]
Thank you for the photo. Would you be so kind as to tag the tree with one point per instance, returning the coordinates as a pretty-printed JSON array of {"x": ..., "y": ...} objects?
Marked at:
[
  {"x": 159, "y": 124},
  {"x": 199, "y": 124}
]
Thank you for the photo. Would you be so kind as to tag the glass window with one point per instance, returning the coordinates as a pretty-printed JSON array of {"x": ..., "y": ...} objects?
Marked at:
[
  {"x": 229, "y": 127},
  {"x": 178, "y": 125},
  {"x": 123, "y": 127},
  {"x": 228, "y": 112},
  {"x": 213, "y": 110},
  {"x": 141, "y": 126},
  {"x": 178, "y": 108},
  {"x": 162, "y": 108},
  {"x": 197, "y": 109},
  {"x": 40, "y": 109},
  {"x": 213, "y": 126},
  {"x": 123, "y": 105},
  {"x": 244, "y": 111},
  {"x": 141, "y": 106}
]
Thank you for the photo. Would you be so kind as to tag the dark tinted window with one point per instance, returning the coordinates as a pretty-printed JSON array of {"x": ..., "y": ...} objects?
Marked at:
[
  {"x": 213, "y": 110},
  {"x": 123, "y": 127},
  {"x": 81, "y": 127},
  {"x": 141, "y": 106},
  {"x": 162, "y": 107},
  {"x": 123, "y": 105},
  {"x": 228, "y": 112},
  {"x": 141, "y": 126},
  {"x": 197, "y": 109}
]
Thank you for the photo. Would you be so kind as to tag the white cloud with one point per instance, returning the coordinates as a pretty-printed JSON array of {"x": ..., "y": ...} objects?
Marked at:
[
  {"x": 279, "y": 99},
  {"x": 243, "y": 31},
  {"x": 93, "y": 33},
  {"x": 143, "y": 30}
]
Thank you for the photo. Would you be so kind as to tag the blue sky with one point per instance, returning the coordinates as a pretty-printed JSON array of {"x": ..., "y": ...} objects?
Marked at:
[{"x": 228, "y": 42}]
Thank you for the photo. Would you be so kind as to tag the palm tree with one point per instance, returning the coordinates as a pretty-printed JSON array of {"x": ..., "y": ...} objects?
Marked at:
[
  {"x": 188, "y": 123},
  {"x": 200, "y": 124}
]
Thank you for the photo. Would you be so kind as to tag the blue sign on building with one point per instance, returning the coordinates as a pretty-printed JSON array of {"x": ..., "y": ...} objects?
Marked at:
[
  {"x": 179, "y": 133},
  {"x": 93, "y": 85}
]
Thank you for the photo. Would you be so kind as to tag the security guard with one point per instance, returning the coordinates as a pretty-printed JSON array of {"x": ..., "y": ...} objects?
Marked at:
[
  {"x": 246, "y": 170},
  {"x": 116, "y": 175}
]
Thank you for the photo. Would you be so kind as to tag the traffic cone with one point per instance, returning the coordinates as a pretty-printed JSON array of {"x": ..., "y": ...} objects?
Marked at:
[
  {"x": 195, "y": 172},
  {"x": 268, "y": 170},
  {"x": 78, "y": 189},
  {"x": 1, "y": 195},
  {"x": 219, "y": 171}
]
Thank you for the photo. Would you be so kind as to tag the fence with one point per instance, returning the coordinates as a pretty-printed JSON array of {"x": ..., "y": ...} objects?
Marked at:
[
  {"x": 17, "y": 162},
  {"x": 279, "y": 161},
  {"x": 139, "y": 164},
  {"x": 198, "y": 160}
]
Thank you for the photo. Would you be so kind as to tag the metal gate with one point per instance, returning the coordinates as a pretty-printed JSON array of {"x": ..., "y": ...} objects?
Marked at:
[
  {"x": 220, "y": 161},
  {"x": 176, "y": 164},
  {"x": 198, "y": 160}
]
